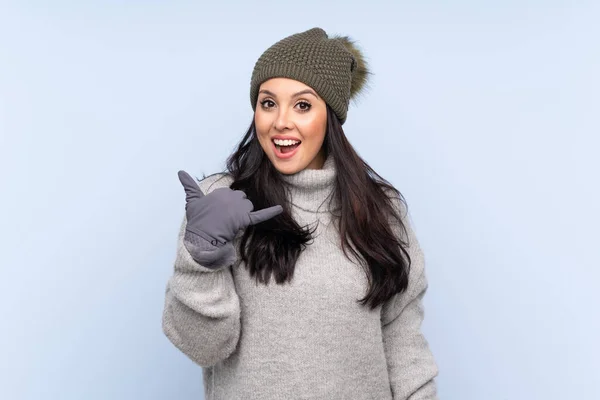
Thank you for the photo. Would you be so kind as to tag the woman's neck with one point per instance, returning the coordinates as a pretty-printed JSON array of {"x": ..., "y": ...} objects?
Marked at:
[{"x": 312, "y": 189}]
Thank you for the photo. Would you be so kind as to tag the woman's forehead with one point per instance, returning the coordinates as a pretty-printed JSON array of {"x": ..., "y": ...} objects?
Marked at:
[{"x": 286, "y": 87}]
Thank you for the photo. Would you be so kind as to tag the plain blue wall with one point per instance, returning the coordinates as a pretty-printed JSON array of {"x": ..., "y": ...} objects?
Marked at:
[{"x": 486, "y": 117}]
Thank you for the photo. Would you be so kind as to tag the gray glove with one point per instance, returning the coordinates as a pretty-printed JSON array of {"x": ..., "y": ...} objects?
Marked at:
[{"x": 213, "y": 221}]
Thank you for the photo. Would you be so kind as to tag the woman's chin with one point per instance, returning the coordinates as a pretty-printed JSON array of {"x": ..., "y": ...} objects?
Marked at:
[{"x": 286, "y": 167}]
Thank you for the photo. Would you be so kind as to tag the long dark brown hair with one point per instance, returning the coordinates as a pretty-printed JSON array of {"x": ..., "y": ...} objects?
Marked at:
[{"x": 366, "y": 210}]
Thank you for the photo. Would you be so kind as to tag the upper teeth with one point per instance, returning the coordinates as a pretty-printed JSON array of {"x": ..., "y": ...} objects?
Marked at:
[{"x": 287, "y": 142}]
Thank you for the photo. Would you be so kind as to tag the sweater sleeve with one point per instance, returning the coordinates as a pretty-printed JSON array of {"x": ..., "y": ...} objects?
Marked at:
[
  {"x": 201, "y": 315},
  {"x": 411, "y": 366}
]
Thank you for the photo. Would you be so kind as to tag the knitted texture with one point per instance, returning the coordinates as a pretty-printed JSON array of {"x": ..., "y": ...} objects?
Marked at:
[
  {"x": 306, "y": 339},
  {"x": 334, "y": 67}
]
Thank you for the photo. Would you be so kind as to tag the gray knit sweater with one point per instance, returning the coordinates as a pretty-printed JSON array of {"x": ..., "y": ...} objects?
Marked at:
[{"x": 306, "y": 340}]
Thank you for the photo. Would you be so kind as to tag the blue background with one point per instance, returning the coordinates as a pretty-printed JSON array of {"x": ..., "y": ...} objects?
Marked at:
[{"x": 484, "y": 114}]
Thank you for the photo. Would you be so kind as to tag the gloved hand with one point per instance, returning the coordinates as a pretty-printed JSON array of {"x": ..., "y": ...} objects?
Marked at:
[{"x": 213, "y": 221}]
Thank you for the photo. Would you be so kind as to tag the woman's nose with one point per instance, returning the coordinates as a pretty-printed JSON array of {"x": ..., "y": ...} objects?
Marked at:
[{"x": 283, "y": 121}]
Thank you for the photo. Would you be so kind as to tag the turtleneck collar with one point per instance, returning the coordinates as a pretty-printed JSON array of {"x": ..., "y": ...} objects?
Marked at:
[{"x": 311, "y": 189}]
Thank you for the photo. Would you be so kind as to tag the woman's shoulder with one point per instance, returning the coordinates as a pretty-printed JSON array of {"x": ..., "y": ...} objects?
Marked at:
[{"x": 214, "y": 181}]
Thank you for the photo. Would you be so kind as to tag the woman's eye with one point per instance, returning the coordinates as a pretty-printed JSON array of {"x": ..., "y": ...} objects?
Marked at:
[
  {"x": 304, "y": 106},
  {"x": 267, "y": 103}
]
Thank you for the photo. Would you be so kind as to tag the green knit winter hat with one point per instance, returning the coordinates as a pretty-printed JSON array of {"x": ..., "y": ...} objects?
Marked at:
[{"x": 334, "y": 67}]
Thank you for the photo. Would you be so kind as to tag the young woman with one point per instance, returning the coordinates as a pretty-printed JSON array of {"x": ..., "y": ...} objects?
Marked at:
[{"x": 297, "y": 274}]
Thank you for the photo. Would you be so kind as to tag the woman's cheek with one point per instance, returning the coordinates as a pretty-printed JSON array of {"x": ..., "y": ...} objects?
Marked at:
[{"x": 265, "y": 144}]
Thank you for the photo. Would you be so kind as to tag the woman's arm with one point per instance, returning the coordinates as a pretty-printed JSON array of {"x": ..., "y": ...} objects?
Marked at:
[
  {"x": 201, "y": 314},
  {"x": 411, "y": 365}
]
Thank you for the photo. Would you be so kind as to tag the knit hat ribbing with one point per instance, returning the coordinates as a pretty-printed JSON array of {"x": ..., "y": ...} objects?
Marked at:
[{"x": 334, "y": 67}]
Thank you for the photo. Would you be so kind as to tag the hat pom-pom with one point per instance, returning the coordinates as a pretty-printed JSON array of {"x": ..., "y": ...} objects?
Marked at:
[{"x": 360, "y": 69}]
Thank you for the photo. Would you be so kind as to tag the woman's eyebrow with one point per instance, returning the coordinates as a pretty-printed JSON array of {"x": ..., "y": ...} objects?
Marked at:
[
  {"x": 306, "y": 91},
  {"x": 268, "y": 93}
]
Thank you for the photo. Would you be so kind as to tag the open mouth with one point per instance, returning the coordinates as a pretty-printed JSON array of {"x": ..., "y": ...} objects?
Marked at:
[{"x": 286, "y": 147}]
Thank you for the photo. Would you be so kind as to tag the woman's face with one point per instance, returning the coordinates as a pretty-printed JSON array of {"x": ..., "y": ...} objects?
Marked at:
[{"x": 291, "y": 120}]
